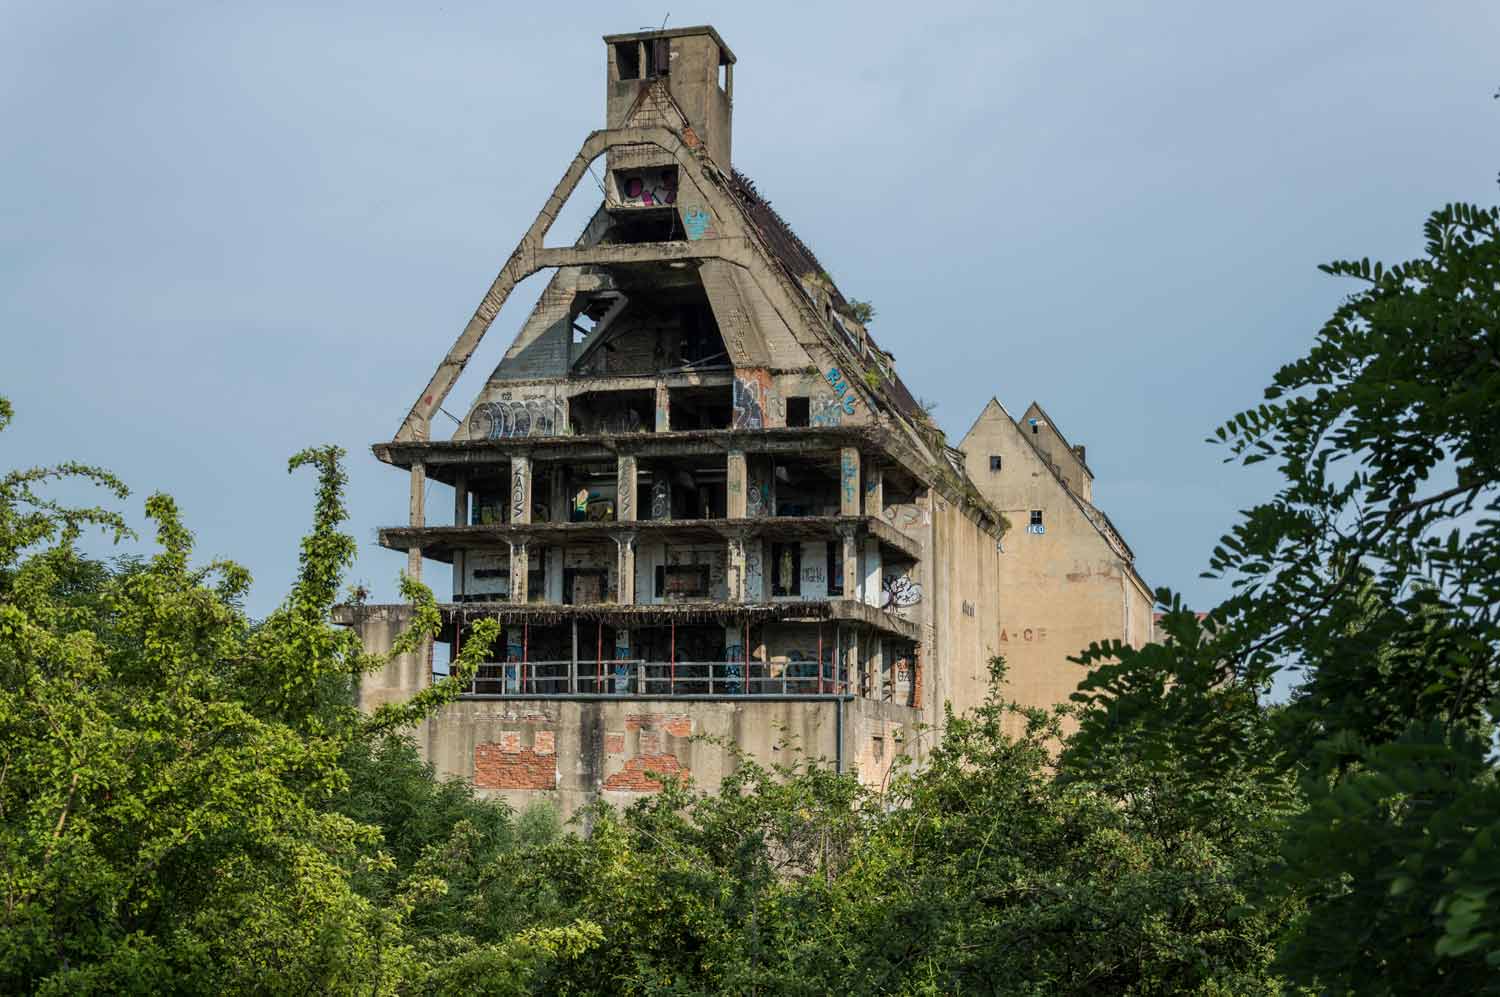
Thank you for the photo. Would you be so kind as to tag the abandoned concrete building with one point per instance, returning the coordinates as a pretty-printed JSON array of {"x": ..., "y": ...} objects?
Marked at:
[{"x": 699, "y": 499}]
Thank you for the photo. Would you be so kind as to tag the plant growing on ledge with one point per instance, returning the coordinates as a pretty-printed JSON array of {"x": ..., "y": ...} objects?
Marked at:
[{"x": 862, "y": 312}]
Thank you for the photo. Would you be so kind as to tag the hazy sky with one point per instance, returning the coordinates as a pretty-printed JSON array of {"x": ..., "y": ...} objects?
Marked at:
[{"x": 229, "y": 231}]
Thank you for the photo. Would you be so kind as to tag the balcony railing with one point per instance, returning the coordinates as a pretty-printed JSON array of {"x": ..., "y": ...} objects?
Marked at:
[{"x": 637, "y": 677}]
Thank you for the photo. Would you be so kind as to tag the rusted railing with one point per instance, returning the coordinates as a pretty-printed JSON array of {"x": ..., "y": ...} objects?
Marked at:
[{"x": 637, "y": 677}]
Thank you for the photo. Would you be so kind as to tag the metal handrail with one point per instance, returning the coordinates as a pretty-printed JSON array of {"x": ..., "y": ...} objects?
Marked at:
[{"x": 638, "y": 677}]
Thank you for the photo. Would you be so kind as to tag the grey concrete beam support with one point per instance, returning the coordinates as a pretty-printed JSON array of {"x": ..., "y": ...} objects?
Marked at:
[
  {"x": 520, "y": 489},
  {"x": 734, "y": 575},
  {"x": 874, "y": 490},
  {"x": 558, "y": 510},
  {"x": 417, "y": 515},
  {"x": 625, "y": 489},
  {"x": 850, "y": 562},
  {"x": 736, "y": 484},
  {"x": 625, "y": 569},
  {"x": 663, "y": 407},
  {"x": 849, "y": 484},
  {"x": 520, "y": 571}
]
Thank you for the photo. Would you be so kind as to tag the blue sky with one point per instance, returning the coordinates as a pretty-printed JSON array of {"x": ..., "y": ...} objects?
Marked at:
[{"x": 229, "y": 231}]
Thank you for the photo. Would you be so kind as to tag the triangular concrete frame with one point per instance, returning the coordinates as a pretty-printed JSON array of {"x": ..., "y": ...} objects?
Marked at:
[{"x": 735, "y": 243}]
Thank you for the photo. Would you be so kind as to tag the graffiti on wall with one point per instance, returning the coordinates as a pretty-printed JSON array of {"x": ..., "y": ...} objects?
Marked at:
[
  {"x": 840, "y": 385},
  {"x": 1026, "y": 634},
  {"x": 750, "y": 390},
  {"x": 625, "y": 490},
  {"x": 850, "y": 474},
  {"x": 505, "y": 419},
  {"x": 649, "y": 188},
  {"x": 825, "y": 411},
  {"x": 518, "y": 493},
  {"x": 755, "y": 583},
  {"x": 698, "y": 223},
  {"x": 898, "y": 591},
  {"x": 661, "y": 499},
  {"x": 906, "y": 515}
]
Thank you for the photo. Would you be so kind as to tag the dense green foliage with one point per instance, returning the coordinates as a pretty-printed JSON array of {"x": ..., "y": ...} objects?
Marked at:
[{"x": 190, "y": 802}]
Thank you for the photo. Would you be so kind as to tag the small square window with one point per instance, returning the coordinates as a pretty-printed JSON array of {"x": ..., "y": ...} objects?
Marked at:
[
  {"x": 798, "y": 410},
  {"x": 994, "y": 462},
  {"x": 1036, "y": 517},
  {"x": 1034, "y": 427}
]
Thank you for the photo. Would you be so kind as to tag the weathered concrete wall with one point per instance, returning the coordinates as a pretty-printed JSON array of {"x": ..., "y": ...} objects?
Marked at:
[
  {"x": 964, "y": 599},
  {"x": 1059, "y": 590},
  {"x": 572, "y": 752}
]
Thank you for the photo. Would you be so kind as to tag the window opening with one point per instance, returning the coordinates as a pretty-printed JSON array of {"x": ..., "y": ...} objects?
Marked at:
[
  {"x": 1036, "y": 517},
  {"x": 628, "y": 60},
  {"x": 994, "y": 462},
  {"x": 786, "y": 569},
  {"x": 835, "y": 569},
  {"x": 799, "y": 411}
]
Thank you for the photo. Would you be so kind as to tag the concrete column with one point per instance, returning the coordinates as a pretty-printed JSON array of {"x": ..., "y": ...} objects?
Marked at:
[
  {"x": 736, "y": 483},
  {"x": 418, "y": 518},
  {"x": 461, "y": 499},
  {"x": 520, "y": 567},
  {"x": 663, "y": 407},
  {"x": 554, "y": 578},
  {"x": 625, "y": 570},
  {"x": 460, "y": 518},
  {"x": 849, "y": 486},
  {"x": 734, "y": 569},
  {"x": 874, "y": 491},
  {"x": 520, "y": 489},
  {"x": 559, "y": 507},
  {"x": 625, "y": 489},
  {"x": 850, "y": 564},
  {"x": 851, "y": 662}
]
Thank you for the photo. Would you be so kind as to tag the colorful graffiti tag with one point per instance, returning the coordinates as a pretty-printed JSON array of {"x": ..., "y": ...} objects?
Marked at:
[
  {"x": 840, "y": 385},
  {"x": 505, "y": 419},
  {"x": 649, "y": 188},
  {"x": 697, "y": 222},
  {"x": 825, "y": 411},
  {"x": 750, "y": 390}
]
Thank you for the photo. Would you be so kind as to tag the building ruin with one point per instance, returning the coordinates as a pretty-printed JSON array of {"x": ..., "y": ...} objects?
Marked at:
[{"x": 694, "y": 493}]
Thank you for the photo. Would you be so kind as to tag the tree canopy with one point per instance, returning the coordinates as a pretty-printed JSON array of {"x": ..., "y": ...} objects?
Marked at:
[{"x": 190, "y": 802}]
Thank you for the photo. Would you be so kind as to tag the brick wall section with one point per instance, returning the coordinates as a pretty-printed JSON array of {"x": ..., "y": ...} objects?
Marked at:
[
  {"x": 614, "y": 743},
  {"x": 676, "y": 724},
  {"x": 507, "y": 765},
  {"x": 633, "y": 778}
]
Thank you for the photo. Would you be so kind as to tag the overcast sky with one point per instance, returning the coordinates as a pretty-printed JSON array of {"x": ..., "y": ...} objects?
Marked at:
[{"x": 229, "y": 231}]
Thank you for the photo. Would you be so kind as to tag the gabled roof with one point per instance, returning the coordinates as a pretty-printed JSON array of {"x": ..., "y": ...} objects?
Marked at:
[{"x": 1058, "y": 430}]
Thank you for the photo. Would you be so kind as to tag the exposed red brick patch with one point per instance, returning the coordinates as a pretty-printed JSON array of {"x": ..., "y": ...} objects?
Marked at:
[
  {"x": 495, "y": 767},
  {"x": 510, "y": 741},
  {"x": 633, "y": 777},
  {"x": 676, "y": 724},
  {"x": 614, "y": 744},
  {"x": 545, "y": 742}
]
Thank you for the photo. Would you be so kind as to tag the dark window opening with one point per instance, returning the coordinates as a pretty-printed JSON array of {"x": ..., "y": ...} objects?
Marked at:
[
  {"x": 798, "y": 411},
  {"x": 994, "y": 463},
  {"x": 1036, "y": 517},
  {"x": 683, "y": 581},
  {"x": 646, "y": 226},
  {"x": 1035, "y": 427},
  {"x": 835, "y": 568},
  {"x": 658, "y": 57},
  {"x": 786, "y": 569},
  {"x": 585, "y": 586},
  {"x": 628, "y": 60}
]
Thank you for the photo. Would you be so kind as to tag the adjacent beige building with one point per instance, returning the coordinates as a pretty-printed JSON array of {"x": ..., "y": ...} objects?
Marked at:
[
  {"x": 699, "y": 500},
  {"x": 1067, "y": 576}
]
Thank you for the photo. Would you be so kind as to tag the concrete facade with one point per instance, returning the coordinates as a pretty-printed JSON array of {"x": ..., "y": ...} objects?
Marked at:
[
  {"x": 696, "y": 494},
  {"x": 1068, "y": 577}
]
